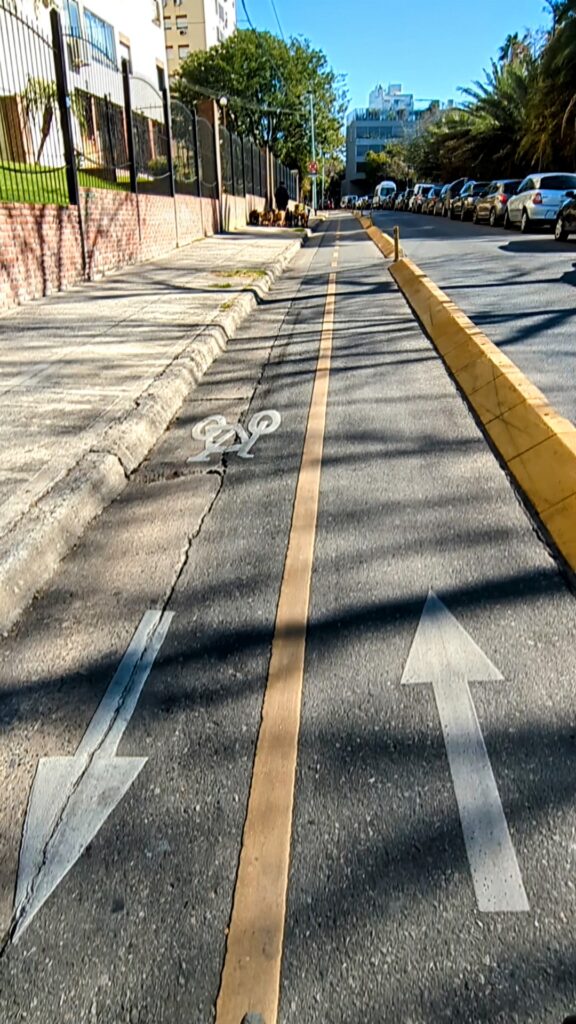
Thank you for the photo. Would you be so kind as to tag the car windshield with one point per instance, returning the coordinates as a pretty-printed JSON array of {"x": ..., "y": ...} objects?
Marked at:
[
  {"x": 479, "y": 187},
  {"x": 558, "y": 182}
]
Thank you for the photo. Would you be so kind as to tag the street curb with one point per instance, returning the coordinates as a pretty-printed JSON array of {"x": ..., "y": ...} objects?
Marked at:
[
  {"x": 536, "y": 444},
  {"x": 381, "y": 240},
  {"x": 32, "y": 547}
]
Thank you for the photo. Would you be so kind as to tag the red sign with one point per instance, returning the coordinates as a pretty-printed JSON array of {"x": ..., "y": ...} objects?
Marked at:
[{"x": 313, "y": 167}]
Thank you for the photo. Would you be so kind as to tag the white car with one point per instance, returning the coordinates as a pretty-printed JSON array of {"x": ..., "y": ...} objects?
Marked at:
[
  {"x": 538, "y": 200},
  {"x": 348, "y": 202},
  {"x": 420, "y": 190}
]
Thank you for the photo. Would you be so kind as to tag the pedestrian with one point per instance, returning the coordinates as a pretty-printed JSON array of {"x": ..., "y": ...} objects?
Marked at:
[{"x": 281, "y": 196}]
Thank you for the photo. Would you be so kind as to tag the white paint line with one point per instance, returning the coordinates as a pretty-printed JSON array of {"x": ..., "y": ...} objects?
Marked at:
[
  {"x": 443, "y": 654},
  {"x": 72, "y": 797}
]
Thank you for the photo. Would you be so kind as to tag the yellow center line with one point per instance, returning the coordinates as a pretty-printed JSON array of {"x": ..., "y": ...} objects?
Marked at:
[{"x": 250, "y": 980}]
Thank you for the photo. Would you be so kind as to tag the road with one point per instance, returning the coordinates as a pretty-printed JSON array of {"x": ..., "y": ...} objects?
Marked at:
[
  {"x": 422, "y": 717},
  {"x": 520, "y": 289}
]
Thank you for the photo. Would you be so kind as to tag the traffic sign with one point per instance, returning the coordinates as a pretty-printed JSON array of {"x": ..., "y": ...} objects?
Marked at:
[{"x": 313, "y": 167}]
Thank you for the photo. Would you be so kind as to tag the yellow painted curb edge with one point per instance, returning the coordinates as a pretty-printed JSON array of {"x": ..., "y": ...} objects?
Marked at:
[{"x": 537, "y": 445}]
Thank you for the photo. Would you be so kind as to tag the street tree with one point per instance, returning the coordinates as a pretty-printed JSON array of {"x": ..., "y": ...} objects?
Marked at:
[{"x": 267, "y": 83}]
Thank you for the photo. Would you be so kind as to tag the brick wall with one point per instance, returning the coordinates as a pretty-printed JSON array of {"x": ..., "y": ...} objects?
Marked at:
[{"x": 41, "y": 247}]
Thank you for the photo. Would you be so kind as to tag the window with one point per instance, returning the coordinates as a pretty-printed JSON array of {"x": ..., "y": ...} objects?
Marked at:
[
  {"x": 161, "y": 77},
  {"x": 558, "y": 182},
  {"x": 182, "y": 22},
  {"x": 74, "y": 25},
  {"x": 101, "y": 36},
  {"x": 170, "y": 52},
  {"x": 183, "y": 52},
  {"x": 167, "y": 22}
]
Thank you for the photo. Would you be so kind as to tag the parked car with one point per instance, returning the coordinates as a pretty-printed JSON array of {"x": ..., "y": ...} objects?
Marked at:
[
  {"x": 463, "y": 204},
  {"x": 348, "y": 202},
  {"x": 399, "y": 201},
  {"x": 381, "y": 193},
  {"x": 491, "y": 205},
  {"x": 421, "y": 189},
  {"x": 538, "y": 200},
  {"x": 439, "y": 204},
  {"x": 452, "y": 192},
  {"x": 388, "y": 202},
  {"x": 431, "y": 199},
  {"x": 407, "y": 197},
  {"x": 566, "y": 220}
]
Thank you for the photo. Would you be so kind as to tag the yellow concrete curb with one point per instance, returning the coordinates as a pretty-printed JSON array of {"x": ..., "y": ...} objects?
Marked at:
[{"x": 537, "y": 445}]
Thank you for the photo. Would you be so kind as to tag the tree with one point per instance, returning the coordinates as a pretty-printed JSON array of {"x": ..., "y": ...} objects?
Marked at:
[
  {"x": 40, "y": 100},
  {"x": 391, "y": 163},
  {"x": 267, "y": 83},
  {"x": 551, "y": 136}
]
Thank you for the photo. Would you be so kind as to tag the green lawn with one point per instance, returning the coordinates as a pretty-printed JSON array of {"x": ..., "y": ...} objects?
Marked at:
[{"x": 30, "y": 185}]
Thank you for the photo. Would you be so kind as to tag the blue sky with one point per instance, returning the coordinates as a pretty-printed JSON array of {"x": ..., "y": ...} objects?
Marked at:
[{"x": 431, "y": 48}]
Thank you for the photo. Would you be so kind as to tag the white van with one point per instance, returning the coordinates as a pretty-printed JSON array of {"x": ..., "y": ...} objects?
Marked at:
[{"x": 381, "y": 192}]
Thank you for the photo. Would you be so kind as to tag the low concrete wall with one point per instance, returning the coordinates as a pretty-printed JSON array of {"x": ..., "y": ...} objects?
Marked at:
[{"x": 237, "y": 209}]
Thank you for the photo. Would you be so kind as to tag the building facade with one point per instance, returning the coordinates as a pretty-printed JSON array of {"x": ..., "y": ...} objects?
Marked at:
[
  {"x": 391, "y": 99},
  {"x": 98, "y": 36},
  {"x": 372, "y": 130},
  {"x": 196, "y": 25}
]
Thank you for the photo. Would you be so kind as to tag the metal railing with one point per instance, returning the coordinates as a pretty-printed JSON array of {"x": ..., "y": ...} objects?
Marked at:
[
  {"x": 70, "y": 116},
  {"x": 32, "y": 157}
]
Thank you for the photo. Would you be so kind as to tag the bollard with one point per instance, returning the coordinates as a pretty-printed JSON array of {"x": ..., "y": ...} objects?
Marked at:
[{"x": 396, "y": 244}]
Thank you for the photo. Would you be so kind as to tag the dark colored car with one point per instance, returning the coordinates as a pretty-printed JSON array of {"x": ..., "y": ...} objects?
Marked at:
[
  {"x": 438, "y": 210},
  {"x": 463, "y": 204},
  {"x": 431, "y": 199},
  {"x": 491, "y": 206},
  {"x": 452, "y": 192},
  {"x": 566, "y": 220}
]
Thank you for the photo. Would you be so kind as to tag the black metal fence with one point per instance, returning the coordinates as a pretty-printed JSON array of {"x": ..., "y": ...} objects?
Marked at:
[
  {"x": 70, "y": 115},
  {"x": 32, "y": 156}
]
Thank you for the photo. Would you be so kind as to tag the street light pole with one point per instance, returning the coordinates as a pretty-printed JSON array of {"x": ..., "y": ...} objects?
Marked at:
[{"x": 314, "y": 194}]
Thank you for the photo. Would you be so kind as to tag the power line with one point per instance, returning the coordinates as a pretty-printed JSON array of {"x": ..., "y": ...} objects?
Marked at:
[
  {"x": 271, "y": 59},
  {"x": 277, "y": 20}
]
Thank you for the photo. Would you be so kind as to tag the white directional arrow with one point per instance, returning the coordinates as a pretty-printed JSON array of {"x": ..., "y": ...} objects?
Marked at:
[
  {"x": 71, "y": 797},
  {"x": 443, "y": 654}
]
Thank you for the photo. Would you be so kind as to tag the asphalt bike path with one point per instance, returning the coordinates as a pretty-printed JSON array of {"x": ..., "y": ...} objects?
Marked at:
[
  {"x": 519, "y": 289},
  {"x": 429, "y": 872}
]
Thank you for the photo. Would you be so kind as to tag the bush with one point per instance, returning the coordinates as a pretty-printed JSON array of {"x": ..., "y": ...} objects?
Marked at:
[{"x": 158, "y": 167}]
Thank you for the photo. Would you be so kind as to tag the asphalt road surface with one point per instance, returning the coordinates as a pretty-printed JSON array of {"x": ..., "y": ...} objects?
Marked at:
[
  {"x": 433, "y": 850},
  {"x": 519, "y": 289}
]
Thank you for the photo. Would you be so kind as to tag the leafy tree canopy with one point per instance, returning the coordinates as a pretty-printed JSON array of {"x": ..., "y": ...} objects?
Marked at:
[{"x": 267, "y": 83}]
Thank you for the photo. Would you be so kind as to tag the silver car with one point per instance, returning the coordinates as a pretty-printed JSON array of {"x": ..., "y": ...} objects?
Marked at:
[{"x": 538, "y": 199}]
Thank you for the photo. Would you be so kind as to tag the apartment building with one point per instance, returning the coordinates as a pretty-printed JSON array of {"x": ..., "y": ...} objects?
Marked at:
[{"x": 196, "y": 25}]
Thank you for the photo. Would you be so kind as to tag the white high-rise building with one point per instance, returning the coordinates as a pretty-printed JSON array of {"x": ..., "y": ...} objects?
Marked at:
[{"x": 391, "y": 99}]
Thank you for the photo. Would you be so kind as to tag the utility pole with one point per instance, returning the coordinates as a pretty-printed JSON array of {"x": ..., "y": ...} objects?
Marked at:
[
  {"x": 322, "y": 192},
  {"x": 314, "y": 194}
]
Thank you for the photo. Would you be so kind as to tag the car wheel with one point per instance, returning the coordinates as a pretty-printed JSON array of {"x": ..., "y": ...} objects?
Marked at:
[
  {"x": 492, "y": 217},
  {"x": 451, "y": 213},
  {"x": 463, "y": 214},
  {"x": 560, "y": 233},
  {"x": 475, "y": 216},
  {"x": 507, "y": 221},
  {"x": 525, "y": 223}
]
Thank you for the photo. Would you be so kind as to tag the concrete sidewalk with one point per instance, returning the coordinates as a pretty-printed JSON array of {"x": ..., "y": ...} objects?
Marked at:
[{"x": 90, "y": 378}]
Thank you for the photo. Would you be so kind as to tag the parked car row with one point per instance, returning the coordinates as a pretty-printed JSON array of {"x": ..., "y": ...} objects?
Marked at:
[{"x": 540, "y": 200}]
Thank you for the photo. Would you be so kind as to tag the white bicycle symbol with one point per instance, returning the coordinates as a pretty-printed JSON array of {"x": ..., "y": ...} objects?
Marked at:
[{"x": 219, "y": 436}]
